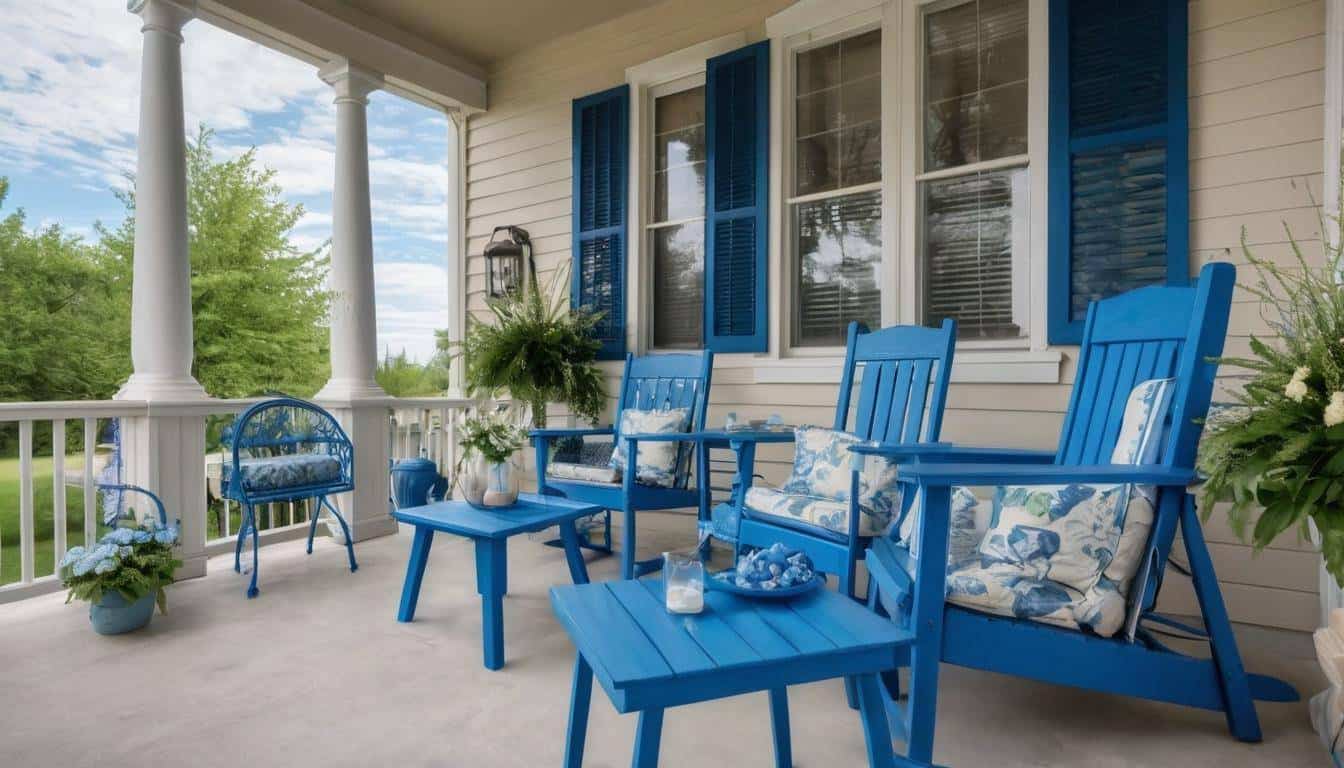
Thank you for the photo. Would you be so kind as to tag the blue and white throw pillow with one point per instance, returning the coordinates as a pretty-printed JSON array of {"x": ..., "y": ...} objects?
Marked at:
[
  {"x": 657, "y": 463},
  {"x": 822, "y": 464},
  {"x": 1066, "y": 555}
]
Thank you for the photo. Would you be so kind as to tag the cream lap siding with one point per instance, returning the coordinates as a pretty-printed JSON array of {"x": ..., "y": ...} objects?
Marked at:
[{"x": 1256, "y": 96}]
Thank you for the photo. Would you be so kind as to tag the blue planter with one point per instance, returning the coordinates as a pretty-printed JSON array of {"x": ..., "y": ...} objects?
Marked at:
[{"x": 113, "y": 615}]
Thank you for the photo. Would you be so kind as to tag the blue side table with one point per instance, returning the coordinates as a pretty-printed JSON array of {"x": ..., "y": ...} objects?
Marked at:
[
  {"x": 490, "y": 531},
  {"x": 648, "y": 660}
]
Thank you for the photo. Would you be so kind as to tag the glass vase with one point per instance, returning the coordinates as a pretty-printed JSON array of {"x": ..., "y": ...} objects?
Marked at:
[{"x": 491, "y": 484}]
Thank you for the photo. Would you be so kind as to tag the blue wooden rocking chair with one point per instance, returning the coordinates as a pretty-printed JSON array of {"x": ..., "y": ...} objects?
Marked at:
[
  {"x": 285, "y": 449},
  {"x": 1153, "y": 332},
  {"x": 650, "y": 382},
  {"x": 901, "y": 398}
]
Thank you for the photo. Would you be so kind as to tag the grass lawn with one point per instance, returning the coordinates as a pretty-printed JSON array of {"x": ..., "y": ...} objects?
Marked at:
[{"x": 44, "y": 556}]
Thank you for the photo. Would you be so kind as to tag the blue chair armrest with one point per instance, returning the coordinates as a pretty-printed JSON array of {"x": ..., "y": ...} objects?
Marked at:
[
  {"x": 945, "y": 475},
  {"x": 570, "y": 432},
  {"x": 951, "y": 453}
]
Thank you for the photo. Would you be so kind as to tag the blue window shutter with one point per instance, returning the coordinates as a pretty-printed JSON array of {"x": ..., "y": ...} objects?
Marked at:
[
  {"x": 601, "y": 136},
  {"x": 737, "y": 137},
  {"x": 1119, "y": 191}
]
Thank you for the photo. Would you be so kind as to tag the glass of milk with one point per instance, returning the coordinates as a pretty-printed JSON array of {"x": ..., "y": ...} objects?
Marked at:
[{"x": 684, "y": 582}]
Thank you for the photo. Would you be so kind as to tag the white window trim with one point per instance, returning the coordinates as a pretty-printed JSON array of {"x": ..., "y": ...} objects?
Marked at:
[
  {"x": 1035, "y": 160},
  {"x": 644, "y": 81}
]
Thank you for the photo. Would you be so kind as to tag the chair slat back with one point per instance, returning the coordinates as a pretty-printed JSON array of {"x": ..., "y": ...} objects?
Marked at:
[
  {"x": 1149, "y": 333},
  {"x": 906, "y": 370},
  {"x": 658, "y": 382}
]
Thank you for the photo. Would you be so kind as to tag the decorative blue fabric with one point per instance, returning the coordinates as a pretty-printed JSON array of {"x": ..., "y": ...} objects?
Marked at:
[
  {"x": 774, "y": 567},
  {"x": 1065, "y": 555},
  {"x": 795, "y": 510},
  {"x": 294, "y": 470},
  {"x": 657, "y": 464}
]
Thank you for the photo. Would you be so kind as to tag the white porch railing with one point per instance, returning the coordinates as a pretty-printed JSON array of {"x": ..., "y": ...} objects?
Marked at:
[{"x": 47, "y": 494}]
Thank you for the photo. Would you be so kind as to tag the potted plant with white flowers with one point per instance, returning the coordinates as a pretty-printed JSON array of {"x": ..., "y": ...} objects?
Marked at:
[
  {"x": 489, "y": 472},
  {"x": 1281, "y": 448}
]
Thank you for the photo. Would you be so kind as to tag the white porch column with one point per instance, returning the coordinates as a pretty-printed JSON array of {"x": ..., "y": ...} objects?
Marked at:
[
  {"x": 457, "y": 241},
  {"x": 352, "y": 393},
  {"x": 164, "y": 449}
]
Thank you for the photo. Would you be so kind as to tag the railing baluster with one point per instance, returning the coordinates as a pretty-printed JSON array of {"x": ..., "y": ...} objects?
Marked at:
[
  {"x": 27, "y": 535},
  {"x": 90, "y": 493},
  {"x": 58, "y": 492}
]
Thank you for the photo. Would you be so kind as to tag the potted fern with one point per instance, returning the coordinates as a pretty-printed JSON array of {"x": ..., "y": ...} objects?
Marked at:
[
  {"x": 538, "y": 350},
  {"x": 1281, "y": 447}
]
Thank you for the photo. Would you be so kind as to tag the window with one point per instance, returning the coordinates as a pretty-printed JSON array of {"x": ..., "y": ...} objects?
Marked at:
[
  {"x": 676, "y": 227},
  {"x": 972, "y": 190},
  {"x": 835, "y": 206}
]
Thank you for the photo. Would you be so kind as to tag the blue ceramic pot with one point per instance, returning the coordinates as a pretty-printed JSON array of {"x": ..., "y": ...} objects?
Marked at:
[{"x": 113, "y": 615}]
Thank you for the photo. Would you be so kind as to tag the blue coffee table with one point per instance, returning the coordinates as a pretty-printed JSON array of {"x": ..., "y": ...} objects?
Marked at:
[
  {"x": 648, "y": 660},
  {"x": 490, "y": 531}
]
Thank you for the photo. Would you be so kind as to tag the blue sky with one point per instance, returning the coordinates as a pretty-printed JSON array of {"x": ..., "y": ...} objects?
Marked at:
[{"x": 69, "y": 107}]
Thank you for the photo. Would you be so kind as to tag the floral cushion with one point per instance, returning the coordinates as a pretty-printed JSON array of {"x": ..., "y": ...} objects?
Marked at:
[
  {"x": 802, "y": 511},
  {"x": 1066, "y": 555},
  {"x": 822, "y": 467},
  {"x": 657, "y": 464},
  {"x": 564, "y": 470},
  {"x": 275, "y": 473}
]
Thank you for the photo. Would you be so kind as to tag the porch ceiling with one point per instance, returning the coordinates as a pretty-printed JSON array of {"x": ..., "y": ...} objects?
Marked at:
[{"x": 484, "y": 31}]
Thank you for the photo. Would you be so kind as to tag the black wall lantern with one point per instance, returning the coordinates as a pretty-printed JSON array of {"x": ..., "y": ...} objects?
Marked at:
[{"x": 504, "y": 261}]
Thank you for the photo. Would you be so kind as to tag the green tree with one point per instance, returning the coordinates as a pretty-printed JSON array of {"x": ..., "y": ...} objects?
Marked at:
[
  {"x": 400, "y": 376},
  {"x": 259, "y": 303},
  {"x": 64, "y": 311}
]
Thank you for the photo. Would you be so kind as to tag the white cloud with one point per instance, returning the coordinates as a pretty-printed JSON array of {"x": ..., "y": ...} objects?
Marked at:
[{"x": 412, "y": 301}]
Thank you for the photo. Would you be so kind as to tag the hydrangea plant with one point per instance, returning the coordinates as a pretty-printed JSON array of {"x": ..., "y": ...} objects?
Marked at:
[
  {"x": 133, "y": 561},
  {"x": 1282, "y": 449}
]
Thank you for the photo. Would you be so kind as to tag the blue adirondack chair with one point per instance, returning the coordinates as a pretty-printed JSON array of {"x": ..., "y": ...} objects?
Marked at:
[
  {"x": 650, "y": 382},
  {"x": 1154, "y": 332},
  {"x": 901, "y": 398}
]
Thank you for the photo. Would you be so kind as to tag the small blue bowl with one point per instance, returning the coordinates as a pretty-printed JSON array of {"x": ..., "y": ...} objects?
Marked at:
[{"x": 717, "y": 583}]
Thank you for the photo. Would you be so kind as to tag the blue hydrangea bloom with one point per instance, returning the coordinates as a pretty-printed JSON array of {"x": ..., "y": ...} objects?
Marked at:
[
  {"x": 104, "y": 566},
  {"x": 166, "y": 535},
  {"x": 71, "y": 556},
  {"x": 120, "y": 536},
  {"x": 141, "y": 537}
]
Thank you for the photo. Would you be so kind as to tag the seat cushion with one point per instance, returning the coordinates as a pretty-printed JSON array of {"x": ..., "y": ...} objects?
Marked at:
[
  {"x": 1066, "y": 555},
  {"x": 658, "y": 464},
  {"x": 810, "y": 512},
  {"x": 823, "y": 465},
  {"x": 564, "y": 470},
  {"x": 276, "y": 473}
]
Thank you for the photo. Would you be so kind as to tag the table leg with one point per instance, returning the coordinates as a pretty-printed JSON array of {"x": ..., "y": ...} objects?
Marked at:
[
  {"x": 628, "y": 563},
  {"x": 490, "y": 580},
  {"x": 580, "y": 696},
  {"x": 647, "y": 737},
  {"x": 578, "y": 570},
  {"x": 501, "y": 576},
  {"x": 415, "y": 572},
  {"x": 779, "y": 724},
  {"x": 876, "y": 732}
]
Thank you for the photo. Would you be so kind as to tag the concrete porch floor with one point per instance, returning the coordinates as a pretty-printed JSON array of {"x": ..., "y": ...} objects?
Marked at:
[{"x": 317, "y": 672}]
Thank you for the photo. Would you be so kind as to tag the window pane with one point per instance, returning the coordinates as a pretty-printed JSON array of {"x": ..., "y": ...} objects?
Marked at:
[
  {"x": 968, "y": 252},
  {"x": 839, "y": 247},
  {"x": 819, "y": 68},
  {"x": 679, "y": 285},
  {"x": 679, "y": 155},
  {"x": 838, "y": 109},
  {"x": 975, "y": 90}
]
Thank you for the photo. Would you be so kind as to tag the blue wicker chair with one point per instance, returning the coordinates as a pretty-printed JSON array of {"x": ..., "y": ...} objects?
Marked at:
[{"x": 283, "y": 450}]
